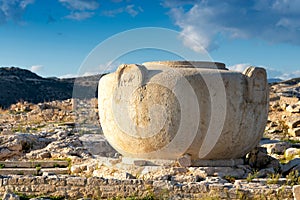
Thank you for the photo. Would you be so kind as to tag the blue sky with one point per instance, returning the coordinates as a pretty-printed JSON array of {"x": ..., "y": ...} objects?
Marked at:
[{"x": 53, "y": 37}]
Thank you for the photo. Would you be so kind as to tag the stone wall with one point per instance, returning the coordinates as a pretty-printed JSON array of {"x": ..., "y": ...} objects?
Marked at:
[{"x": 73, "y": 187}]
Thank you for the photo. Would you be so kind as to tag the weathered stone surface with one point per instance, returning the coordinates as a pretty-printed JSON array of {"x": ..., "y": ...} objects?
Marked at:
[
  {"x": 14, "y": 145},
  {"x": 185, "y": 183},
  {"x": 55, "y": 170},
  {"x": 140, "y": 162},
  {"x": 288, "y": 100},
  {"x": 10, "y": 196},
  {"x": 78, "y": 181},
  {"x": 277, "y": 148},
  {"x": 224, "y": 171},
  {"x": 217, "y": 163},
  {"x": 129, "y": 99},
  {"x": 290, "y": 165},
  {"x": 78, "y": 168},
  {"x": 263, "y": 173},
  {"x": 296, "y": 192},
  {"x": 99, "y": 187},
  {"x": 295, "y": 132},
  {"x": 97, "y": 145},
  {"x": 294, "y": 108},
  {"x": 33, "y": 164},
  {"x": 185, "y": 161},
  {"x": 293, "y": 122},
  {"x": 291, "y": 152},
  {"x": 258, "y": 158},
  {"x": 24, "y": 171}
]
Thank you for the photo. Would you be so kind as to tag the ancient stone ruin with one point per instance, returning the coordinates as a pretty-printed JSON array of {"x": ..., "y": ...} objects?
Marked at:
[
  {"x": 180, "y": 109},
  {"x": 44, "y": 153}
]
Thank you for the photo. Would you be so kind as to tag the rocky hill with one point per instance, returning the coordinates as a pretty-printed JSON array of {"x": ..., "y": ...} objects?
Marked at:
[{"x": 23, "y": 85}]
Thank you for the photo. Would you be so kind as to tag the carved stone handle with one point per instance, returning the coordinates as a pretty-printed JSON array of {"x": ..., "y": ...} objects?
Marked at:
[
  {"x": 257, "y": 84},
  {"x": 130, "y": 75}
]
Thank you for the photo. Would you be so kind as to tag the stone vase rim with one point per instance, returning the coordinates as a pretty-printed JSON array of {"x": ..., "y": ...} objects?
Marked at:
[{"x": 188, "y": 64}]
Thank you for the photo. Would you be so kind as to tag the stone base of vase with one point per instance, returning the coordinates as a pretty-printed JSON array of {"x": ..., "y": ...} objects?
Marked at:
[{"x": 193, "y": 163}]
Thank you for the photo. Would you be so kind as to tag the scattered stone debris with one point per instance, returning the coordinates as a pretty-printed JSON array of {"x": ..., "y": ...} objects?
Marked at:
[{"x": 70, "y": 130}]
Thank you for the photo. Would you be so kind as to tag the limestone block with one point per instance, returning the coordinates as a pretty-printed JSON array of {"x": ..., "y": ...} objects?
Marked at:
[
  {"x": 259, "y": 158},
  {"x": 77, "y": 169},
  {"x": 288, "y": 100},
  {"x": 296, "y": 192},
  {"x": 217, "y": 163},
  {"x": 291, "y": 152},
  {"x": 263, "y": 173},
  {"x": 54, "y": 180},
  {"x": 290, "y": 165},
  {"x": 140, "y": 162},
  {"x": 55, "y": 170},
  {"x": 18, "y": 171},
  {"x": 94, "y": 181},
  {"x": 224, "y": 171},
  {"x": 294, "y": 108},
  {"x": 295, "y": 132},
  {"x": 97, "y": 145},
  {"x": 76, "y": 181},
  {"x": 277, "y": 147},
  {"x": 10, "y": 196},
  {"x": 185, "y": 161},
  {"x": 32, "y": 164}
]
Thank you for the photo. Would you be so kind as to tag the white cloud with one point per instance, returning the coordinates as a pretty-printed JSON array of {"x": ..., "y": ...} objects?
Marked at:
[
  {"x": 80, "y": 9},
  {"x": 286, "y": 6},
  {"x": 129, "y": 9},
  {"x": 109, "y": 66},
  {"x": 286, "y": 76},
  {"x": 80, "y": 15},
  {"x": 79, "y": 75},
  {"x": 271, "y": 72},
  {"x": 239, "y": 67},
  {"x": 203, "y": 21},
  {"x": 80, "y": 4},
  {"x": 69, "y": 76},
  {"x": 13, "y": 9},
  {"x": 25, "y": 3},
  {"x": 36, "y": 68}
]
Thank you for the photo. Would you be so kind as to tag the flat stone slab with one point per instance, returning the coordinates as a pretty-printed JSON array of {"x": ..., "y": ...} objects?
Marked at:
[
  {"x": 217, "y": 163},
  {"x": 296, "y": 192},
  {"x": 31, "y": 164},
  {"x": 96, "y": 144},
  {"x": 295, "y": 132},
  {"x": 18, "y": 171},
  {"x": 268, "y": 141},
  {"x": 56, "y": 170},
  {"x": 147, "y": 162},
  {"x": 32, "y": 171},
  {"x": 194, "y": 163},
  {"x": 293, "y": 122}
]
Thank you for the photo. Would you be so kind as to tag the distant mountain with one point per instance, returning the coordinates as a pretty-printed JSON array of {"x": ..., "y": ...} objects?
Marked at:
[
  {"x": 20, "y": 84},
  {"x": 274, "y": 80},
  {"x": 288, "y": 88}
]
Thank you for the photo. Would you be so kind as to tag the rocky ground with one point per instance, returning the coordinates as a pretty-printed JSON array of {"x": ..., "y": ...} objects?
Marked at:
[{"x": 70, "y": 130}]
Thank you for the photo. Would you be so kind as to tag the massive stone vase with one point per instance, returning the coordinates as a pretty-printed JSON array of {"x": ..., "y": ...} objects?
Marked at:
[{"x": 163, "y": 110}]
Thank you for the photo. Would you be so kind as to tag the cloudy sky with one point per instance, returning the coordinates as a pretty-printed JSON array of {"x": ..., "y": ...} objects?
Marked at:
[{"x": 54, "y": 37}]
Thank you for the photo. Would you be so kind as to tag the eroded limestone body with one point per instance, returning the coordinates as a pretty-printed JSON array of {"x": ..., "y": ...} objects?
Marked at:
[{"x": 163, "y": 110}]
